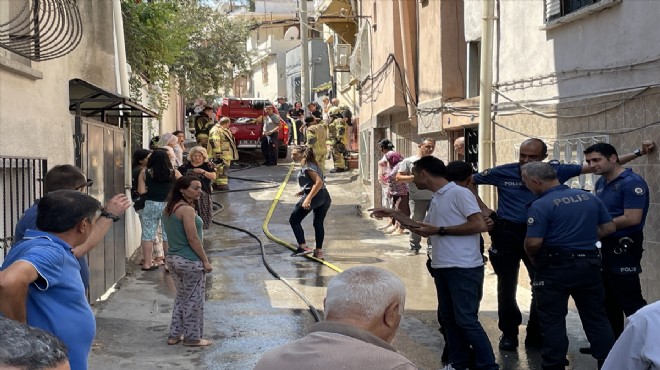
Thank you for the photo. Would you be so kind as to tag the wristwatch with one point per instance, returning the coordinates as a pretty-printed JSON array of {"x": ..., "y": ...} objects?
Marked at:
[
  {"x": 109, "y": 215},
  {"x": 638, "y": 152},
  {"x": 442, "y": 231}
]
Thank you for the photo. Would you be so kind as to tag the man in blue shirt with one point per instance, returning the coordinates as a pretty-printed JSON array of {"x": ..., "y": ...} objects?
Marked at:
[
  {"x": 563, "y": 226},
  {"x": 508, "y": 235},
  {"x": 626, "y": 196},
  {"x": 40, "y": 282},
  {"x": 71, "y": 178}
]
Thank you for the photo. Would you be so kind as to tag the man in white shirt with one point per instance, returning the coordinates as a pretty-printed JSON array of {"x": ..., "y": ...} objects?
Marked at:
[{"x": 453, "y": 224}]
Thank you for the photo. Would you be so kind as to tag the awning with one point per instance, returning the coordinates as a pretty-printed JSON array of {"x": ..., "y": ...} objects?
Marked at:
[{"x": 89, "y": 100}]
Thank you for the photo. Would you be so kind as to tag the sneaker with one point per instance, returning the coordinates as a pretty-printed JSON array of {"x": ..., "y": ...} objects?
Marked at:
[
  {"x": 412, "y": 252},
  {"x": 318, "y": 253},
  {"x": 302, "y": 252}
]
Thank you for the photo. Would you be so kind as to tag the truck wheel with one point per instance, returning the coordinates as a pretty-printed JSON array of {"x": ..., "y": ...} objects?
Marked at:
[{"x": 282, "y": 150}]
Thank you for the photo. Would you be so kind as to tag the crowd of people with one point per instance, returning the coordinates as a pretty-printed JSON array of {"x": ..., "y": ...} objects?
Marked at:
[
  {"x": 555, "y": 230},
  {"x": 573, "y": 243}
]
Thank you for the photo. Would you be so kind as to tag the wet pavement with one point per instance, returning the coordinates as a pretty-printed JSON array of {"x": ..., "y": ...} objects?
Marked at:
[{"x": 248, "y": 311}]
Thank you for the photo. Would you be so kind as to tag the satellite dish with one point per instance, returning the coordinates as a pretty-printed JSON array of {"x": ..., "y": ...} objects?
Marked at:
[{"x": 292, "y": 33}]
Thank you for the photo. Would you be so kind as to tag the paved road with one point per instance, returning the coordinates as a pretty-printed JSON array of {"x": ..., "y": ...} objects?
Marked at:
[{"x": 248, "y": 311}]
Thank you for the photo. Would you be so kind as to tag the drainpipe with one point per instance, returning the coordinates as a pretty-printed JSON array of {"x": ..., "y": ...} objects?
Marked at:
[
  {"x": 486, "y": 83},
  {"x": 404, "y": 20},
  {"x": 123, "y": 87}
]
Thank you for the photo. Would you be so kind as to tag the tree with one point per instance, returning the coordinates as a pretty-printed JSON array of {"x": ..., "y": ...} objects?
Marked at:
[{"x": 186, "y": 41}]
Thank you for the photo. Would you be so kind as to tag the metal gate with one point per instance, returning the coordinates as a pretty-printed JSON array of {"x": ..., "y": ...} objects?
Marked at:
[
  {"x": 21, "y": 185},
  {"x": 103, "y": 162}
]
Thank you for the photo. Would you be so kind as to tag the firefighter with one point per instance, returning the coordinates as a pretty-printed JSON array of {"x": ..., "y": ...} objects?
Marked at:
[
  {"x": 203, "y": 124},
  {"x": 222, "y": 150},
  {"x": 336, "y": 138},
  {"x": 315, "y": 136}
]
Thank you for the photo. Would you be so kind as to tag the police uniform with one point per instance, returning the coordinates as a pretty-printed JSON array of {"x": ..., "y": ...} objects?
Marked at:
[
  {"x": 336, "y": 137},
  {"x": 222, "y": 150},
  {"x": 508, "y": 237},
  {"x": 622, "y": 250},
  {"x": 568, "y": 264}
]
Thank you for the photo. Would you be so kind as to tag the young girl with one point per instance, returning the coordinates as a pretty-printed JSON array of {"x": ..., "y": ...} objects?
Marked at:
[{"x": 313, "y": 197}]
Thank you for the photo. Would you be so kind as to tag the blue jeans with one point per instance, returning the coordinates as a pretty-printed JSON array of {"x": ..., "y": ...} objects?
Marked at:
[
  {"x": 320, "y": 205},
  {"x": 459, "y": 294}
]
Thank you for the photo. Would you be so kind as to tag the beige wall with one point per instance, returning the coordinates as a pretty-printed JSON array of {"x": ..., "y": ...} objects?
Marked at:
[{"x": 34, "y": 113}]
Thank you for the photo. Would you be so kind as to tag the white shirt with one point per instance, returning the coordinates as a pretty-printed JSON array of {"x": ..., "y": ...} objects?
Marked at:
[
  {"x": 452, "y": 205},
  {"x": 638, "y": 347}
]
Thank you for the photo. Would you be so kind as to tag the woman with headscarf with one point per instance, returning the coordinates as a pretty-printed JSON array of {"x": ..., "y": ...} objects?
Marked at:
[
  {"x": 396, "y": 190},
  {"x": 171, "y": 142},
  {"x": 385, "y": 147}
]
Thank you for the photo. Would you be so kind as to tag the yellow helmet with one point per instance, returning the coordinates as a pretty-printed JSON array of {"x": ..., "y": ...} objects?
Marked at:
[{"x": 334, "y": 111}]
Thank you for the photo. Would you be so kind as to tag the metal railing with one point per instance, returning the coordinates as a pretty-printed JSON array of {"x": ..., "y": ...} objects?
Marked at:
[{"x": 21, "y": 184}]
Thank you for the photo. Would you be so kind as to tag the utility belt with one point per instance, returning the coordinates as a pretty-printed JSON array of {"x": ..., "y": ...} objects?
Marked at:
[
  {"x": 556, "y": 256},
  {"x": 506, "y": 236},
  {"x": 623, "y": 254}
]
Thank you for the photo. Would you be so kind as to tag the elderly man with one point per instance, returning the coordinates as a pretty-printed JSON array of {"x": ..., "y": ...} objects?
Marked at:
[
  {"x": 363, "y": 309},
  {"x": 40, "y": 282},
  {"x": 24, "y": 347}
]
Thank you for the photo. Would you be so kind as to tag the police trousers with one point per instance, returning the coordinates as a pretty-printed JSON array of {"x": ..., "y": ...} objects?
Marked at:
[
  {"x": 577, "y": 276},
  {"x": 506, "y": 252},
  {"x": 621, "y": 269}
]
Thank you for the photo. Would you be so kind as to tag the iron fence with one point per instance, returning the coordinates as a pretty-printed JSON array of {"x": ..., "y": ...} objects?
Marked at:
[{"x": 21, "y": 184}]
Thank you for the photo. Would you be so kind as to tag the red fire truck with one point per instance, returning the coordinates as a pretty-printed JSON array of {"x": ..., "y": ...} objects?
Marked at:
[{"x": 246, "y": 116}]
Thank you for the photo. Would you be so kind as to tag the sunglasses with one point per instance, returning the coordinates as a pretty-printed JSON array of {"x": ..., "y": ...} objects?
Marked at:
[{"x": 89, "y": 183}]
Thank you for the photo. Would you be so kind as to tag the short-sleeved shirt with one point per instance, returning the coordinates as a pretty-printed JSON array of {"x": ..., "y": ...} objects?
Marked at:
[
  {"x": 405, "y": 167},
  {"x": 189, "y": 170},
  {"x": 452, "y": 205},
  {"x": 29, "y": 222},
  {"x": 177, "y": 238},
  {"x": 567, "y": 219},
  {"x": 271, "y": 122},
  {"x": 627, "y": 191},
  {"x": 56, "y": 300},
  {"x": 304, "y": 180},
  {"x": 512, "y": 193}
]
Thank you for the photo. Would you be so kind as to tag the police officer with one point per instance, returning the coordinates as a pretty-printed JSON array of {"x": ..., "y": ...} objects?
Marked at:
[
  {"x": 563, "y": 226},
  {"x": 626, "y": 196},
  {"x": 336, "y": 137},
  {"x": 508, "y": 235}
]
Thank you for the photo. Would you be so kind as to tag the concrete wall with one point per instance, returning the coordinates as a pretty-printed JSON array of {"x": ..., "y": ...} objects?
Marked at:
[
  {"x": 580, "y": 78},
  {"x": 34, "y": 112},
  {"x": 319, "y": 67}
]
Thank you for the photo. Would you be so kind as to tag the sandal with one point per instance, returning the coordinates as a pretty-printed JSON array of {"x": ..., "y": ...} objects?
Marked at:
[
  {"x": 199, "y": 343},
  {"x": 151, "y": 268},
  {"x": 172, "y": 341},
  {"x": 318, "y": 254}
]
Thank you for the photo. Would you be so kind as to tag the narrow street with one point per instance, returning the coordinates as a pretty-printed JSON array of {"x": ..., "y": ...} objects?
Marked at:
[{"x": 249, "y": 312}]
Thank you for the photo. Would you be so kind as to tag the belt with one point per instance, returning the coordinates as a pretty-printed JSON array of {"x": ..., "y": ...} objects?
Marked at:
[{"x": 592, "y": 253}]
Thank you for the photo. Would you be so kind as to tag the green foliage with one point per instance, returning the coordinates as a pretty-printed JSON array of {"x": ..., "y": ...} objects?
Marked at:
[{"x": 184, "y": 41}]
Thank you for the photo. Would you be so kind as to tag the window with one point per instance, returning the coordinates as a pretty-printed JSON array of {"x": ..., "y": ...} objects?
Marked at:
[
  {"x": 473, "y": 69},
  {"x": 555, "y": 9},
  {"x": 264, "y": 72},
  {"x": 13, "y": 15}
]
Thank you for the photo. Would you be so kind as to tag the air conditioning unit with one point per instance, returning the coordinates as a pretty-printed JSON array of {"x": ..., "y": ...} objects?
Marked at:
[{"x": 343, "y": 56}]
